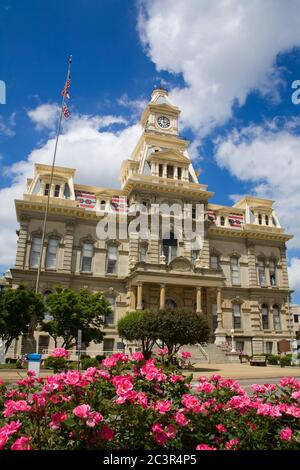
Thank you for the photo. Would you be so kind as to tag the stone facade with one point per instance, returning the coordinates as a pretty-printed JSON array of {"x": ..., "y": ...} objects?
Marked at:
[{"x": 238, "y": 279}]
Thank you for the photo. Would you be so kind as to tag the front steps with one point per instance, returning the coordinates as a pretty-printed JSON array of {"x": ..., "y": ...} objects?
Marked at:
[{"x": 207, "y": 354}]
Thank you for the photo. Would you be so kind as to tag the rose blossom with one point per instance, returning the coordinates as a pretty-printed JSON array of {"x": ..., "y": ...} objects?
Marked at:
[
  {"x": 57, "y": 419},
  {"x": 286, "y": 434},
  {"x": 163, "y": 406},
  {"x": 181, "y": 419},
  {"x": 21, "y": 444},
  {"x": 82, "y": 411},
  {"x": 60, "y": 352},
  {"x": 10, "y": 428},
  {"x": 94, "y": 419},
  {"x": 205, "y": 447},
  {"x": 137, "y": 356},
  {"x": 106, "y": 433},
  {"x": 221, "y": 428},
  {"x": 185, "y": 354},
  {"x": 162, "y": 351},
  {"x": 12, "y": 407},
  {"x": 232, "y": 444}
]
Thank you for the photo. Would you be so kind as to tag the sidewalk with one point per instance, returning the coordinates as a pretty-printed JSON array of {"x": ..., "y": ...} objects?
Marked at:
[{"x": 229, "y": 371}]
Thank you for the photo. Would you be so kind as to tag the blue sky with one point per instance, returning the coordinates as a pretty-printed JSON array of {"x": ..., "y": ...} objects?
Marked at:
[{"x": 229, "y": 69}]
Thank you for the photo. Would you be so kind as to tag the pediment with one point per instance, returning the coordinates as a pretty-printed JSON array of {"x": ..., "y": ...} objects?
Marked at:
[{"x": 180, "y": 264}]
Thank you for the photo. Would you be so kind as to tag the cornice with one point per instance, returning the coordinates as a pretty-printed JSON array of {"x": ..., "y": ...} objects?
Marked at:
[{"x": 254, "y": 233}]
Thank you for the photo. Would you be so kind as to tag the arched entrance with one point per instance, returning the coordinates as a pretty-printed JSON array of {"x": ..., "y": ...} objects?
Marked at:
[{"x": 170, "y": 303}]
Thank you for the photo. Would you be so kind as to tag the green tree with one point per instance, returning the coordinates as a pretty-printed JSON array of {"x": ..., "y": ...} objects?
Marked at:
[
  {"x": 17, "y": 309},
  {"x": 72, "y": 311},
  {"x": 178, "y": 328},
  {"x": 140, "y": 326}
]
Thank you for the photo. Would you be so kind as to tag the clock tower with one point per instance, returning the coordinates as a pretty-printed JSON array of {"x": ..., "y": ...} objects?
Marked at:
[{"x": 160, "y": 114}]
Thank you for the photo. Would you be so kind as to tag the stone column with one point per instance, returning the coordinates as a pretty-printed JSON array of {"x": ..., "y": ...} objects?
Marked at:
[
  {"x": 164, "y": 170},
  {"x": 175, "y": 173},
  {"x": 68, "y": 248},
  {"x": 252, "y": 276},
  {"x": 132, "y": 298},
  {"x": 284, "y": 271},
  {"x": 162, "y": 297},
  {"x": 22, "y": 243},
  {"x": 139, "y": 296},
  {"x": 220, "y": 334},
  {"x": 198, "y": 300}
]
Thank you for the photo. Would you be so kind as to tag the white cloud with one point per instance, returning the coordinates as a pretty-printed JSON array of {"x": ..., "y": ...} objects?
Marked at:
[
  {"x": 44, "y": 116},
  {"x": 294, "y": 274},
  {"x": 7, "y": 128},
  {"x": 268, "y": 156},
  {"x": 223, "y": 48},
  {"x": 96, "y": 155}
]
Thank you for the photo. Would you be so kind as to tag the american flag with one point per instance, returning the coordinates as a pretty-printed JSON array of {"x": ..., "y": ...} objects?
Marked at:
[
  {"x": 66, "y": 111},
  {"x": 211, "y": 216},
  {"x": 65, "y": 91},
  {"x": 119, "y": 203},
  {"x": 236, "y": 220},
  {"x": 86, "y": 199}
]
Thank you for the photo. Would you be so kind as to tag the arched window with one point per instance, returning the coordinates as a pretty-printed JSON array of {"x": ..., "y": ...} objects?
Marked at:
[
  {"x": 214, "y": 318},
  {"x": 261, "y": 273},
  {"x": 214, "y": 262},
  {"x": 265, "y": 316},
  {"x": 170, "y": 303},
  {"x": 236, "y": 314},
  {"x": 47, "y": 189},
  {"x": 110, "y": 317},
  {"x": 169, "y": 247},
  {"x": 67, "y": 192},
  {"x": 235, "y": 271},
  {"x": 276, "y": 318},
  {"x": 170, "y": 171},
  {"x": 222, "y": 220},
  {"x": 259, "y": 219},
  {"x": 272, "y": 271},
  {"x": 35, "y": 252},
  {"x": 111, "y": 260},
  {"x": 87, "y": 256},
  {"x": 51, "y": 255},
  {"x": 143, "y": 252},
  {"x": 56, "y": 190}
]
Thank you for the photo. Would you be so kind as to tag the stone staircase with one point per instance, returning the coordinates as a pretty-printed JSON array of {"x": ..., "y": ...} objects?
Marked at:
[{"x": 207, "y": 354}]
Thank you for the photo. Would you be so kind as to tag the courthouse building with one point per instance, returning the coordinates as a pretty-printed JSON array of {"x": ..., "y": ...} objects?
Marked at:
[{"x": 238, "y": 279}]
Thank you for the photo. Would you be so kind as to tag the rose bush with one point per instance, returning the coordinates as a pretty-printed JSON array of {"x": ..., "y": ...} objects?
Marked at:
[{"x": 133, "y": 403}]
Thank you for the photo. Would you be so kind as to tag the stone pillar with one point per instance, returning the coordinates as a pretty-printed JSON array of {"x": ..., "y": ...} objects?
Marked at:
[
  {"x": 139, "y": 296},
  {"x": 175, "y": 173},
  {"x": 284, "y": 271},
  {"x": 220, "y": 334},
  {"x": 22, "y": 243},
  {"x": 164, "y": 170},
  {"x": 162, "y": 296},
  {"x": 252, "y": 275},
  {"x": 132, "y": 298},
  {"x": 198, "y": 300}
]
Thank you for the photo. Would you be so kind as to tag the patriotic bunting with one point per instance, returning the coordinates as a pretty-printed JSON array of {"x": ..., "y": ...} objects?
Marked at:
[
  {"x": 86, "y": 199},
  {"x": 119, "y": 203},
  {"x": 211, "y": 216},
  {"x": 236, "y": 220}
]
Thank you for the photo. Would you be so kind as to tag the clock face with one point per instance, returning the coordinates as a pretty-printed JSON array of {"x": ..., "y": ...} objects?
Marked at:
[{"x": 163, "y": 122}]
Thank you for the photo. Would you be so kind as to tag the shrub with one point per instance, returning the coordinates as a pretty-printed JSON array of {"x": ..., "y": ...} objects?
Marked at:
[
  {"x": 285, "y": 360},
  {"x": 135, "y": 404},
  {"x": 273, "y": 359},
  {"x": 87, "y": 362},
  {"x": 57, "y": 364},
  {"x": 100, "y": 357}
]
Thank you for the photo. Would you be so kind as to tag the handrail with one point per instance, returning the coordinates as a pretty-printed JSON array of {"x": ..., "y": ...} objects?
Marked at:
[{"x": 205, "y": 354}]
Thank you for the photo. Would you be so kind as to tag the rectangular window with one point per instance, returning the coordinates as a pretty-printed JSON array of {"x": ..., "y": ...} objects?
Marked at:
[
  {"x": 261, "y": 273},
  {"x": 179, "y": 173},
  {"x": 160, "y": 170},
  {"x": 170, "y": 171},
  {"x": 265, "y": 317},
  {"x": 237, "y": 324},
  {"x": 195, "y": 254},
  {"x": 35, "y": 252},
  {"x": 108, "y": 345},
  {"x": 56, "y": 190},
  {"x": 239, "y": 345},
  {"x": 112, "y": 253},
  {"x": 214, "y": 316},
  {"x": 51, "y": 253},
  {"x": 87, "y": 256},
  {"x": 235, "y": 271},
  {"x": 46, "y": 191},
  {"x": 110, "y": 317},
  {"x": 272, "y": 270},
  {"x": 296, "y": 318},
  {"x": 269, "y": 347},
  {"x": 214, "y": 262}
]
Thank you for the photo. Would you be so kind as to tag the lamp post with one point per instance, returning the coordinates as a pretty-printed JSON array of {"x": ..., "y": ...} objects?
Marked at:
[{"x": 232, "y": 341}]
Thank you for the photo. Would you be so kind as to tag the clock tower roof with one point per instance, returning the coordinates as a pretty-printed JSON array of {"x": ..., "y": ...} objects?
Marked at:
[{"x": 159, "y": 105}]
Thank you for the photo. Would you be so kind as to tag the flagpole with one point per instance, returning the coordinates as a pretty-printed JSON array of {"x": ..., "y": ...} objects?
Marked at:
[{"x": 37, "y": 285}]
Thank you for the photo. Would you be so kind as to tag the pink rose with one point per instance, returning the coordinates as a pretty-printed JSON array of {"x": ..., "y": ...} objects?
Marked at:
[
  {"x": 57, "y": 419},
  {"x": 163, "y": 406},
  {"x": 94, "y": 419},
  {"x": 60, "y": 352},
  {"x": 12, "y": 407},
  {"x": 185, "y": 354},
  {"x": 286, "y": 434},
  {"x": 181, "y": 419},
  {"x": 10, "y": 428},
  {"x": 162, "y": 351},
  {"x": 106, "y": 433},
  {"x": 21, "y": 444},
  {"x": 137, "y": 356},
  {"x": 232, "y": 444},
  {"x": 3, "y": 441},
  {"x": 204, "y": 447},
  {"x": 221, "y": 428},
  {"x": 82, "y": 411}
]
